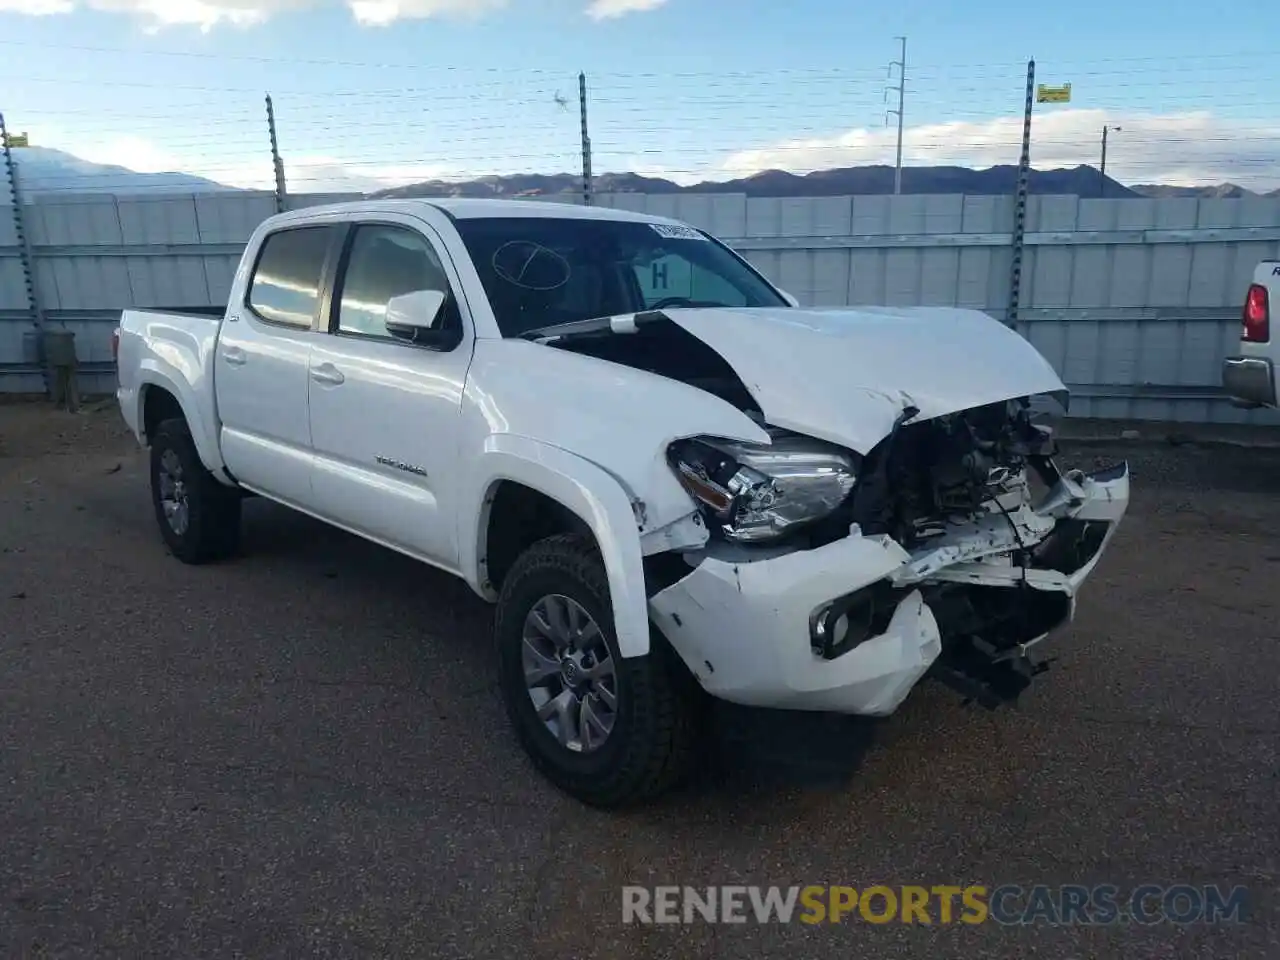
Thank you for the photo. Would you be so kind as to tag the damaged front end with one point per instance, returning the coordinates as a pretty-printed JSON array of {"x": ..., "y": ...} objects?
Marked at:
[
  {"x": 950, "y": 550},
  {"x": 999, "y": 538}
]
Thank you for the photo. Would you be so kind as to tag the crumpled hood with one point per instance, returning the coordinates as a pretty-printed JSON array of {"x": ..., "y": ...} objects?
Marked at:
[{"x": 844, "y": 375}]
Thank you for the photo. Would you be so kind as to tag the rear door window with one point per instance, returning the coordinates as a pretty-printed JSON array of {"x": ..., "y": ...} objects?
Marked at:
[{"x": 285, "y": 287}]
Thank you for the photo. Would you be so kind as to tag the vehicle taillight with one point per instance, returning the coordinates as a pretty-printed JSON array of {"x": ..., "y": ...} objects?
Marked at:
[{"x": 1257, "y": 315}]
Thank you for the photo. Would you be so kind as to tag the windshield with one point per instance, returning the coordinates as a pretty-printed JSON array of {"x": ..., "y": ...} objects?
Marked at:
[{"x": 541, "y": 271}]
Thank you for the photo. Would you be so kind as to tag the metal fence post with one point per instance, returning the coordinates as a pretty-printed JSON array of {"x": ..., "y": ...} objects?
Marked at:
[
  {"x": 1020, "y": 203},
  {"x": 586, "y": 141},
  {"x": 25, "y": 254},
  {"x": 277, "y": 165}
]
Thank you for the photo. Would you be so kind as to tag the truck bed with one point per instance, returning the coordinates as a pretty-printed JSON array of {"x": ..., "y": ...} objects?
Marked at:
[
  {"x": 176, "y": 348},
  {"x": 215, "y": 312}
]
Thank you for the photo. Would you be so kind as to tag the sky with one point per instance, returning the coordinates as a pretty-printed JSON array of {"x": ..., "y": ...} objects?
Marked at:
[{"x": 371, "y": 93}]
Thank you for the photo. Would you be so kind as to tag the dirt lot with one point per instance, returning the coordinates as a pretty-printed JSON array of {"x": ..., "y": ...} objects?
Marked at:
[{"x": 301, "y": 753}]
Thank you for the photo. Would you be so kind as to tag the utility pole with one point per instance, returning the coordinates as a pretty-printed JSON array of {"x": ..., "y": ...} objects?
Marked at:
[
  {"x": 1102, "y": 167},
  {"x": 1020, "y": 203},
  {"x": 901, "y": 89},
  {"x": 24, "y": 242},
  {"x": 277, "y": 165},
  {"x": 586, "y": 141}
]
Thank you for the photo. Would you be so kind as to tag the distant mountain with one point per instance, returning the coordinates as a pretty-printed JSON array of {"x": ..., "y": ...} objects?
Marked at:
[
  {"x": 1084, "y": 181},
  {"x": 43, "y": 170},
  {"x": 532, "y": 184},
  {"x": 1223, "y": 191}
]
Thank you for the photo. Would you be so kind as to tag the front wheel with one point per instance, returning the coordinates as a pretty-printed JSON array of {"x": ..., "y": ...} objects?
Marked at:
[
  {"x": 608, "y": 731},
  {"x": 199, "y": 517}
]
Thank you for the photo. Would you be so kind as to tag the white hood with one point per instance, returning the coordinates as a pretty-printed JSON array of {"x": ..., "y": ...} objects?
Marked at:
[{"x": 844, "y": 375}]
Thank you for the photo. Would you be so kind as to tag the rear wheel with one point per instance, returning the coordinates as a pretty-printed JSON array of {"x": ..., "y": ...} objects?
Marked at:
[
  {"x": 199, "y": 517},
  {"x": 610, "y": 732}
]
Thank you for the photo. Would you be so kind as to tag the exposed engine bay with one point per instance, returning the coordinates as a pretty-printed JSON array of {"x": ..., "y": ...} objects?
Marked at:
[{"x": 949, "y": 470}]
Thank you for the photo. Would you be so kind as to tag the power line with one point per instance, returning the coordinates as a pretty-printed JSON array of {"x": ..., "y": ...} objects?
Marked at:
[
  {"x": 707, "y": 79},
  {"x": 453, "y": 68},
  {"x": 636, "y": 116}
]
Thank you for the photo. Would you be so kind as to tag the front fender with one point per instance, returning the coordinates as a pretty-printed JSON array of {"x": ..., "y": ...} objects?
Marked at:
[{"x": 591, "y": 493}]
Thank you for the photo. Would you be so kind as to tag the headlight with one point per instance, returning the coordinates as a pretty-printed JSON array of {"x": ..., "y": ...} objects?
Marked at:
[{"x": 754, "y": 493}]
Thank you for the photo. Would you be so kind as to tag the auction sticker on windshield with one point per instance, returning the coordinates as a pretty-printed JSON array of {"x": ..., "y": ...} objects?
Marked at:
[{"x": 673, "y": 231}]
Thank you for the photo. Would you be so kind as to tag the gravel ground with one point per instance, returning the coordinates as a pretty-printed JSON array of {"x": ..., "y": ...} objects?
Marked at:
[{"x": 302, "y": 753}]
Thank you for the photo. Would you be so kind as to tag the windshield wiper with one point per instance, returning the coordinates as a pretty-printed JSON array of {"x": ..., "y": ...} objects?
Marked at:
[
  {"x": 594, "y": 326},
  {"x": 552, "y": 330}
]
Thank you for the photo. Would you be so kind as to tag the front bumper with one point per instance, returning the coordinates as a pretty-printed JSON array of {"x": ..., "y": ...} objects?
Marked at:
[
  {"x": 1249, "y": 381},
  {"x": 744, "y": 626}
]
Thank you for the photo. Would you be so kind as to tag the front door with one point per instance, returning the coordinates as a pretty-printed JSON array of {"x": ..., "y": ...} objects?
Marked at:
[
  {"x": 262, "y": 361},
  {"x": 384, "y": 411}
]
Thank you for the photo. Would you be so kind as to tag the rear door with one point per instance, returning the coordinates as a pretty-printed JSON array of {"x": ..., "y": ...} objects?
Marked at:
[
  {"x": 262, "y": 359},
  {"x": 385, "y": 412}
]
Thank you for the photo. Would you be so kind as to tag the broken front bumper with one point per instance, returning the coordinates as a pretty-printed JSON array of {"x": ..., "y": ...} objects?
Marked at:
[{"x": 752, "y": 630}]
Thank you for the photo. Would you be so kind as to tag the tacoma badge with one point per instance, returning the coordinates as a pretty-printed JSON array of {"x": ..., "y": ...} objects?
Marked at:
[{"x": 401, "y": 465}]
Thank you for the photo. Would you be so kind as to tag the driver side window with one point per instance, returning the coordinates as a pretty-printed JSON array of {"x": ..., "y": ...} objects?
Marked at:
[
  {"x": 386, "y": 261},
  {"x": 674, "y": 276}
]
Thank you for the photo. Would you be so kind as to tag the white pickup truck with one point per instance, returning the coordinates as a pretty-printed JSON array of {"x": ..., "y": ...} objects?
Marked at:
[
  {"x": 1249, "y": 378},
  {"x": 670, "y": 479}
]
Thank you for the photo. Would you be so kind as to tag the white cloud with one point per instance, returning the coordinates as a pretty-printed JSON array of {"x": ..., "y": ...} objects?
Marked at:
[
  {"x": 1183, "y": 148},
  {"x": 644, "y": 165},
  {"x": 137, "y": 154},
  {"x": 322, "y": 174},
  {"x": 304, "y": 172},
  {"x": 605, "y": 9},
  {"x": 162, "y": 13},
  {"x": 379, "y": 13},
  {"x": 36, "y": 8},
  {"x": 207, "y": 14}
]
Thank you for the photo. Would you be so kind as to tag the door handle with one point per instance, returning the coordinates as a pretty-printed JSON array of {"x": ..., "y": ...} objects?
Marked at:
[
  {"x": 234, "y": 355},
  {"x": 327, "y": 373}
]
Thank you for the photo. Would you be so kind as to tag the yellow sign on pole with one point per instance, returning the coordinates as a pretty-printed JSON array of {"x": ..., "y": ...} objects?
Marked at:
[
  {"x": 1048, "y": 94},
  {"x": 18, "y": 139}
]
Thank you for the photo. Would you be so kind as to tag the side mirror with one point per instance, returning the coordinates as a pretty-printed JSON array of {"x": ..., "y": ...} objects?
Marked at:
[
  {"x": 789, "y": 298},
  {"x": 413, "y": 316}
]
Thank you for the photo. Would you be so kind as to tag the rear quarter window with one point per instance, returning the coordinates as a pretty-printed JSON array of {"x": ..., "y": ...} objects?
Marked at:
[{"x": 285, "y": 287}]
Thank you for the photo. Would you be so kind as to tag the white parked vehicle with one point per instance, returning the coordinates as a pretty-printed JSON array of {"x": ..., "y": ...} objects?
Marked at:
[
  {"x": 1249, "y": 378},
  {"x": 670, "y": 479}
]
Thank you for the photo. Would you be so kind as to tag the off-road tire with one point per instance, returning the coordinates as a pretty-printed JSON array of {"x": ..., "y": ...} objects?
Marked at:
[
  {"x": 213, "y": 527},
  {"x": 651, "y": 745}
]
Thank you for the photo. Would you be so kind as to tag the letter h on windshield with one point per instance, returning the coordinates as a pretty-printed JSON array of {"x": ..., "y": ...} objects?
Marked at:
[{"x": 659, "y": 271}]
